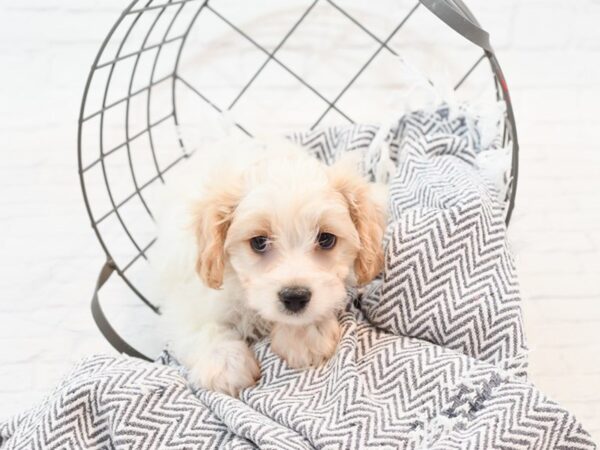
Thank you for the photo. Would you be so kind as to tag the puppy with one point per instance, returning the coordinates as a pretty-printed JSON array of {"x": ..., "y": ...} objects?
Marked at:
[{"x": 262, "y": 240}]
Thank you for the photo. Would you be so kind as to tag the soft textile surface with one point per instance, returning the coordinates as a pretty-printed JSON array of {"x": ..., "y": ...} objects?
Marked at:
[{"x": 432, "y": 354}]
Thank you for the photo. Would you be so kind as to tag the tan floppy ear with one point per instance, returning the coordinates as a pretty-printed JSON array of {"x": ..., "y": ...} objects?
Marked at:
[
  {"x": 212, "y": 217},
  {"x": 367, "y": 206}
]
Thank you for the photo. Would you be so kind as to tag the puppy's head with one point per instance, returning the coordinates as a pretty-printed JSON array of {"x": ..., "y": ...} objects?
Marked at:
[{"x": 294, "y": 232}]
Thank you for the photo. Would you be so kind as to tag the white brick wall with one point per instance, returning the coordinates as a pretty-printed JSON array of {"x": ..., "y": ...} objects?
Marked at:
[
  {"x": 550, "y": 52},
  {"x": 552, "y": 65}
]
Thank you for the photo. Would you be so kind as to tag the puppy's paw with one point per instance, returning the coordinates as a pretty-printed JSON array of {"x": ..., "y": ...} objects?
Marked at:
[
  {"x": 305, "y": 346},
  {"x": 228, "y": 368}
]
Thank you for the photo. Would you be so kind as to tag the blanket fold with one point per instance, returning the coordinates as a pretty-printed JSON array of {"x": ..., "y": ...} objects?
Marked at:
[{"x": 449, "y": 276}]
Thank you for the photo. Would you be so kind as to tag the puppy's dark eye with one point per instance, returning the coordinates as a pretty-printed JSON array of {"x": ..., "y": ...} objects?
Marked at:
[
  {"x": 259, "y": 244},
  {"x": 326, "y": 241}
]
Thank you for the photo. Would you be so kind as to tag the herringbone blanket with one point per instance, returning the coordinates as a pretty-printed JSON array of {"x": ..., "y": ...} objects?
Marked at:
[{"x": 432, "y": 354}]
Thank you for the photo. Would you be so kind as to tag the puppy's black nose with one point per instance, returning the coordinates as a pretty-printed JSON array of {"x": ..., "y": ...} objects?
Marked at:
[{"x": 294, "y": 298}]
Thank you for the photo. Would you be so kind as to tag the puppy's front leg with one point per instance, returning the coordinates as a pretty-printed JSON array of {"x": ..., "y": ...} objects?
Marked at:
[
  {"x": 308, "y": 345},
  {"x": 217, "y": 359}
]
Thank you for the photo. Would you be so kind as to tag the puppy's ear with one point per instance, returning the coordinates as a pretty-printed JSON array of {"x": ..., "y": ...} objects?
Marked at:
[
  {"x": 367, "y": 206},
  {"x": 212, "y": 217}
]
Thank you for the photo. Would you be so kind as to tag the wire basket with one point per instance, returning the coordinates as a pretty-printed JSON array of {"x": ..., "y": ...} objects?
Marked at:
[{"x": 168, "y": 72}]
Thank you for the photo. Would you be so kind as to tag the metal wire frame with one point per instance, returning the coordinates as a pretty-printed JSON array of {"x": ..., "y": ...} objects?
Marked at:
[{"x": 136, "y": 10}]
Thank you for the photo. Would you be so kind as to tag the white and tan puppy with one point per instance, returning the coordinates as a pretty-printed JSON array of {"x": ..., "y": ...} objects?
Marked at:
[{"x": 262, "y": 240}]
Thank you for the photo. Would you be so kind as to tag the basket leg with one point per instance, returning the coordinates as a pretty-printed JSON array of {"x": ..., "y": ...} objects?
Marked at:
[{"x": 102, "y": 322}]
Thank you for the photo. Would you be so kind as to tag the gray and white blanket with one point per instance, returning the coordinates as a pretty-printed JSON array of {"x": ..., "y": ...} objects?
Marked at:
[{"x": 432, "y": 355}]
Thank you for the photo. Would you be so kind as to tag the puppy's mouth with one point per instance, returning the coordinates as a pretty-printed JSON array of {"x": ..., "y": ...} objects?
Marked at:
[
  {"x": 293, "y": 313},
  {"x": 294, "y": 317},
  {"x": 283, "y": 310}
]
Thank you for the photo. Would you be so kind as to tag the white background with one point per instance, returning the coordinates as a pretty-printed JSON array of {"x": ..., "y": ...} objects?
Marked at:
[{"x": 49, "y": 256}]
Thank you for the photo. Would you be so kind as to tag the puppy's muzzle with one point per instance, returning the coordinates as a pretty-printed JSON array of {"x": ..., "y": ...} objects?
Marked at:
[{"x": 294, "y": 298}]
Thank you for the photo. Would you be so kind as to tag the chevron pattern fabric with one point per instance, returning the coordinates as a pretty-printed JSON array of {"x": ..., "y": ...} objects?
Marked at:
[
  {"x": 432, "y": 354},
  {"x": 449, "y": 268}
]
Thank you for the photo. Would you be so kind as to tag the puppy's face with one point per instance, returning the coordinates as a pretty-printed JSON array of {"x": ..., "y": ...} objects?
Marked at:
[
  {"x": 293, "y": 252},
  {"x": 295, "y": 233}
]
